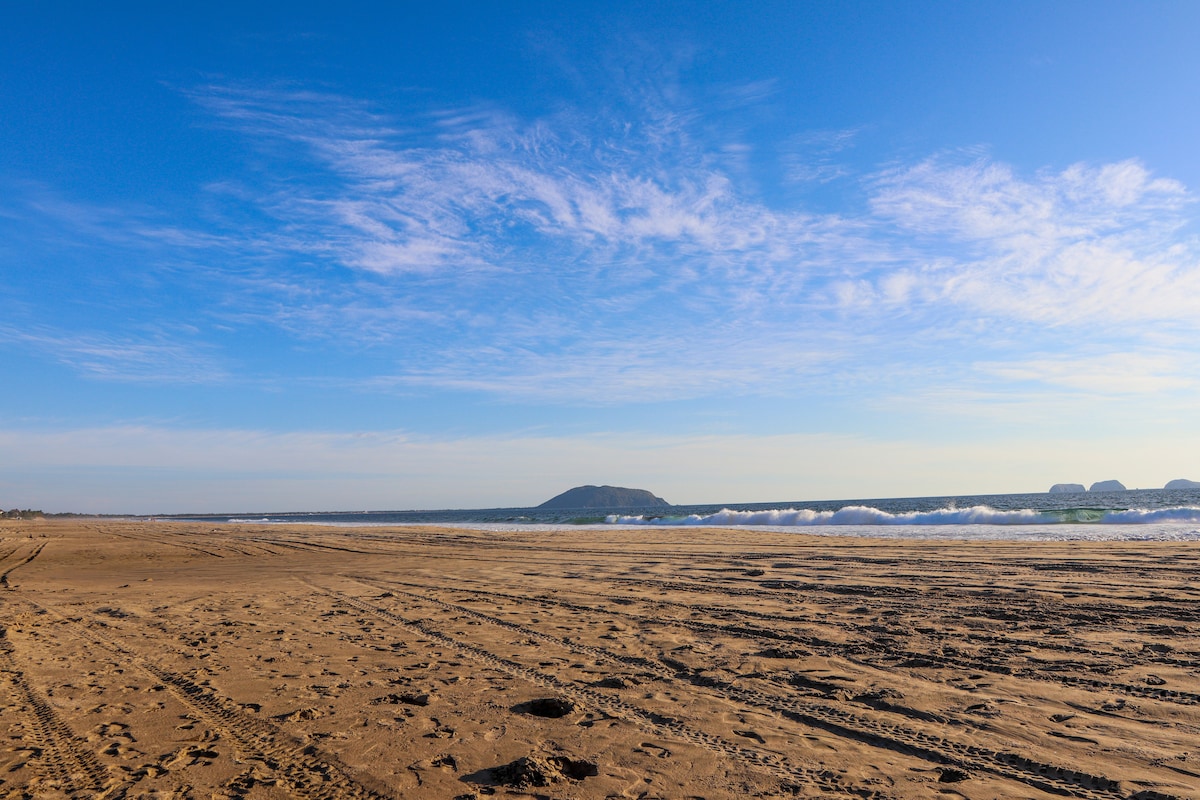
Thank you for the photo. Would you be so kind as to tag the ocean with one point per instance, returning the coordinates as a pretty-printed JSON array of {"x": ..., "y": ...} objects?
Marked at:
[{"x": 1137, "y": 514}]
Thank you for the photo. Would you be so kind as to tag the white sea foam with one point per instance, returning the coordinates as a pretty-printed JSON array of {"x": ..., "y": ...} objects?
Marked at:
[
  {"x": 1144, "y": 516},
  {"x": 975, "y": 522},
  {"x": 868, "y": 516}
]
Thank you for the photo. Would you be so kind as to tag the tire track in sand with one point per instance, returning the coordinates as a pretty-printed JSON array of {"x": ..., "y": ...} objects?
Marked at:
[
  {"x": 873, "y": 729},
  {"x": 59, "y": 757},
  {"x": 957, "y": 663},
  {"x": 792, "y": 775},
  {"x": 307, "y": 772},
  {"x": 37, "y": 551}
]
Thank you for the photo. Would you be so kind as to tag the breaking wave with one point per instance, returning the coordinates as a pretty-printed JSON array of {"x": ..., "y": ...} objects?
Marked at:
[{"x": 866, "y": 515}]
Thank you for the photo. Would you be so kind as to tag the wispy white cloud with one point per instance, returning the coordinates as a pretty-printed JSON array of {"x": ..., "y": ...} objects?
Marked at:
[
  {"x": 118, "y": 224},
  {"x": 480, "y": 184},
  {"x": 654, "y": 367},
  {"x": 1118, "y": 373},
  {"x": 622, "y": 256},
  {"x": 547, "y": 253},
  {"x": 985, "y": 200},
  {"x": 1090, "y": 246},
  {"x": 817, "y": 156},
  {"x": 159, "y": 359}
]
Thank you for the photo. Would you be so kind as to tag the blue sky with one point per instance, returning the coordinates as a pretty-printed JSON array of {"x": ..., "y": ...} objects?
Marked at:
[{"x": 396, "y": 256}]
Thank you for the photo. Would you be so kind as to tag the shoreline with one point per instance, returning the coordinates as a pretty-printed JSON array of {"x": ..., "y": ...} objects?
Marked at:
[{"x": 966, "y": 533}]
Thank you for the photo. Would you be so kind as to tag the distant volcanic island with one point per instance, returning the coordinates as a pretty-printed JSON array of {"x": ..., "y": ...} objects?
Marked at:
[
  {"x": 604, "y": 497},
  {"x": 1116, "y": 486}
]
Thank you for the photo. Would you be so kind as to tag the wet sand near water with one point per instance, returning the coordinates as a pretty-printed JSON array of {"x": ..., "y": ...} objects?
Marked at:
[{"x": 182, "y": 660}]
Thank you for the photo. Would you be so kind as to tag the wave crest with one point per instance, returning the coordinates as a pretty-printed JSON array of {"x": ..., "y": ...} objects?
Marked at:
[{"x": 866, "y": 515}]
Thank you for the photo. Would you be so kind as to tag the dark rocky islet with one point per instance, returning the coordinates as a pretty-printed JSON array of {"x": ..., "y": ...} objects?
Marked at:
[{"x": 605, "y": 497}]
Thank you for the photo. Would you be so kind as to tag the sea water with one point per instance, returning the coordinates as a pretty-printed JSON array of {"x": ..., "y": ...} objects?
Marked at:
[{"x": 1139, "y": 514}]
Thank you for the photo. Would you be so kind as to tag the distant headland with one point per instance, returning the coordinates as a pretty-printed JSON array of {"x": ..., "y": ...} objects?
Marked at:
[
  {"x": 604, "y": 497},
  {"x": 1116, "y": 486}
]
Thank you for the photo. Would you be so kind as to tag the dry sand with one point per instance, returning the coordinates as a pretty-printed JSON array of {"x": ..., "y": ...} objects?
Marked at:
[{"x": 151, "y": 659}]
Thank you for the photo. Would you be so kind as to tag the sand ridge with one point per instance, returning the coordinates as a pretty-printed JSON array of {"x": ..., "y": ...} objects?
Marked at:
[{"x": 182, "y": 660}]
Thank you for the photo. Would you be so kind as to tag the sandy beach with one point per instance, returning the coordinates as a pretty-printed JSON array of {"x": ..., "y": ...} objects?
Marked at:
[{"x": 181, "y": 660}]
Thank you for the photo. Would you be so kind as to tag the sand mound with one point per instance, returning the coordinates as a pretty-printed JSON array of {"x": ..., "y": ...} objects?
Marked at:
[{"x": 530, "y": 771}]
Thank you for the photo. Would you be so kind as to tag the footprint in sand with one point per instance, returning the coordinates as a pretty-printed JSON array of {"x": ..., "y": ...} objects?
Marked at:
[
  {"x": 492, "y": 734},
  {"x": 439, "y": 731},
  {"x": 653, "y": 749},
  {"x": 191, "y": 756}
]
